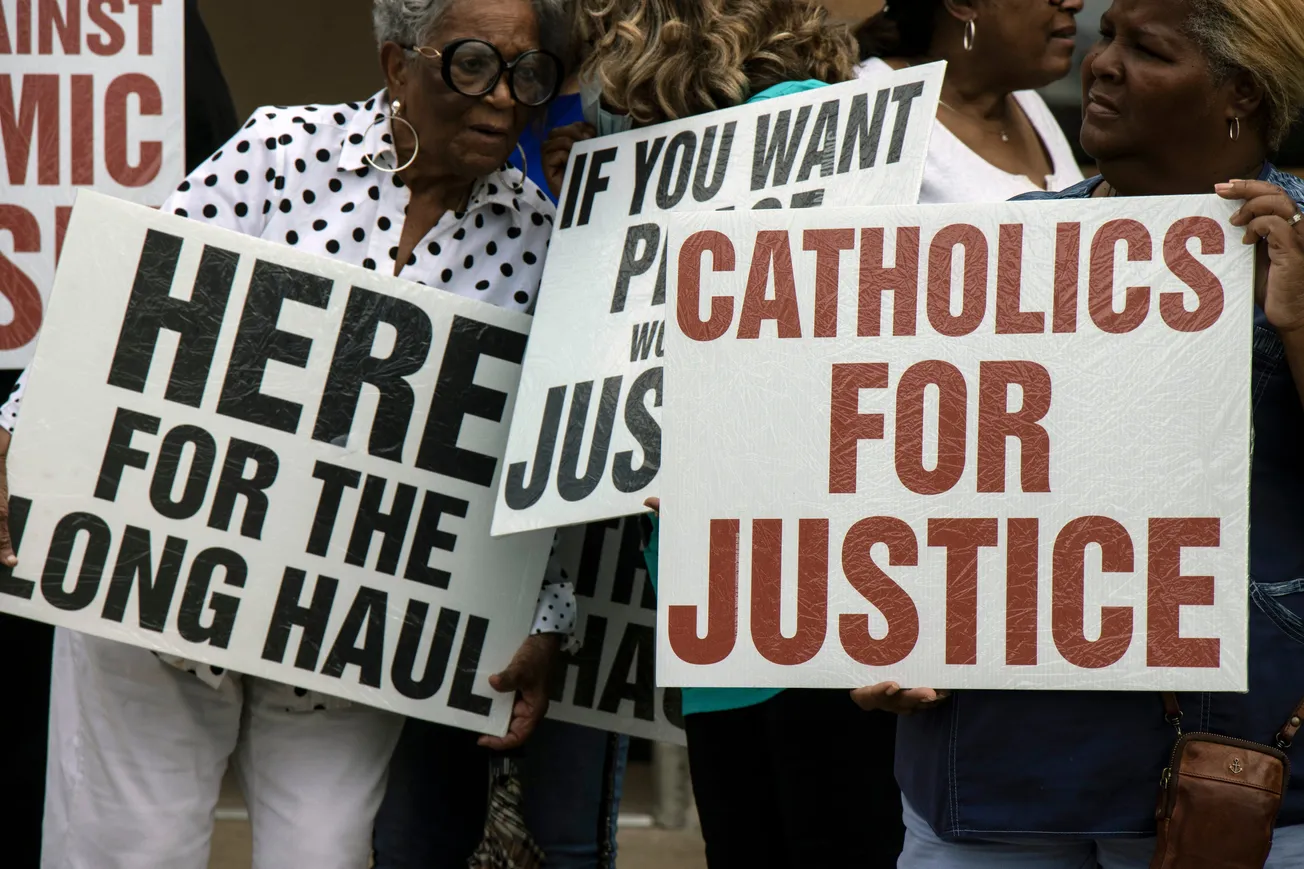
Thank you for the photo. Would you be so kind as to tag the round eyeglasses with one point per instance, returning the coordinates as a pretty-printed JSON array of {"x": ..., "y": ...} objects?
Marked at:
[{"x": 473, "y": 68}]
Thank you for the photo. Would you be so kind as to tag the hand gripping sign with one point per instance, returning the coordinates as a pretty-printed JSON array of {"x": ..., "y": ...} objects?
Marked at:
[
  {"x": 274, "y": 463},
  {"x": 585, "y": 443},
  {"x": 980, "y": 446},
  {"x": 92, "y": 94}
]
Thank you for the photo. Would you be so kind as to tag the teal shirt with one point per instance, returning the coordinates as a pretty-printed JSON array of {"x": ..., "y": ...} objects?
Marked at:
[{"x": 720, "y": 699}]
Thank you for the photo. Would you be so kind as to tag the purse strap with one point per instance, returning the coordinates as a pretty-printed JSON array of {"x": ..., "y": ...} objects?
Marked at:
[{"x": 1285, "y": 736}]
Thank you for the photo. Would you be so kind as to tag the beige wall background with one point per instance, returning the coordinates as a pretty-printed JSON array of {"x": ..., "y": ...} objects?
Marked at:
[{"x": 289, "y": 52}]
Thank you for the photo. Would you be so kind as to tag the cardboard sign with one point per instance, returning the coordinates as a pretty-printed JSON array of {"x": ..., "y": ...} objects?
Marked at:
[
  {"x": 586, "y": 441},
  {"x": 980, "y": 446},
  {"x": 610, "y": 683},
  {"x": 273, "y": 463},
  {"x": 92, "y": 94}
]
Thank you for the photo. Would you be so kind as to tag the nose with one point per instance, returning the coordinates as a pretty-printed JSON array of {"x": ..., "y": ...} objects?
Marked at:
[
  {"x": 1073, "y": 7},
  {"x": 501, "y": 96},
  {"x": 1102, "y": 63}
]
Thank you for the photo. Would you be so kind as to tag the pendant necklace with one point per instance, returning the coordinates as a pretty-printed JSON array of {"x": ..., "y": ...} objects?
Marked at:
[{"x": 1005, "y": 136}]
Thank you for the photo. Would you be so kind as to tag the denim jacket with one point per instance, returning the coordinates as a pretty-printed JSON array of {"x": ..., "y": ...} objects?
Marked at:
[{"x": 1062, "y": 764}]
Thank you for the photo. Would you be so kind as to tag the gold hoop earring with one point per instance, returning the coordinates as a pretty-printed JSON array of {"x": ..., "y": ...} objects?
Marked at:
[
  {"x": 395, "y": 108},
  {"x": 970, "y": 33},
  {"x": 1234, "y": 129}
]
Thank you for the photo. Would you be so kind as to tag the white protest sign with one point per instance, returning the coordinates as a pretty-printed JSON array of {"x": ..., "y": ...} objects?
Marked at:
[
  {"x": 274, "y": 463},
  {"x": 610, "y": 684},
  {"x": 585, "y": 443},
  {"x": 979, "y": 446},
  {"x": 92, "y": 94}
]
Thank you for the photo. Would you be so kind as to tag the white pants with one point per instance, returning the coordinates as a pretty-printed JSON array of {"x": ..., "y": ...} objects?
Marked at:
[{"x": 138, "y": 750}]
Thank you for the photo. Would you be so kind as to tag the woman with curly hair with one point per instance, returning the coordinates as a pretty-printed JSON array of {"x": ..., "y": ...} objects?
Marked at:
[{"x": 781, "y": 778}]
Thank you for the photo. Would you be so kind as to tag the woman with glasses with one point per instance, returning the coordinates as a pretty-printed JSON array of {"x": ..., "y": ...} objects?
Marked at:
[{"x": 412, "y": 181}]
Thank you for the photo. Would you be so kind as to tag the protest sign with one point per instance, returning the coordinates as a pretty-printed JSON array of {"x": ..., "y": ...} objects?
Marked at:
[
  {"x": 610, "y": 683},
  {"x": 585, "y": 443},
  {"x": 92, "y": 94},
  {"x": 979, "y": 446},
  {"x": 273, "y": 463}
]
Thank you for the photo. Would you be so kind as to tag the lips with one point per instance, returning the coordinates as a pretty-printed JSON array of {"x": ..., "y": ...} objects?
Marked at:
[
  {"x": 1069, "y": 32},
  {"x": 489, "y": 131},
  {"x": 1101, "y": 104}
]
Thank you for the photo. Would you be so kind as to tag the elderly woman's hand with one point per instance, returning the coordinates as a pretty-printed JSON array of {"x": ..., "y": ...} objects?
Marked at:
[
  {"x": 890, "y": 697},
  {"x": 557, "y": 149},
  {"x": 526, "y": 677},
  {"x": 1266, "y": 216}
]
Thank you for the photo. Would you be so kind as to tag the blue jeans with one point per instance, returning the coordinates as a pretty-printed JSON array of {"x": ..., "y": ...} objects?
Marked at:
[
  {"x": 924, "y": 850},
  {"x": 434, "y": 811}
]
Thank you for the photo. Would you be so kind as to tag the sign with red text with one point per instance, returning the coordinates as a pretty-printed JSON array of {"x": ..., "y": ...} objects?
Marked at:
[
  {"x": 585, "y": 443},
  {"x": 237, "y": 453},
  {"x": 979, "y": 446},
  {"x": 92, "y": 95}
]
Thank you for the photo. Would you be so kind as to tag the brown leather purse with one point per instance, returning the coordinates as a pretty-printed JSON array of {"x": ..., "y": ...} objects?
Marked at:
[{"x": 1219, "y": 797}]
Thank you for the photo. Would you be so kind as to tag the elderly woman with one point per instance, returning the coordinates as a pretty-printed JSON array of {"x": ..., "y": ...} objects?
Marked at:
[
  {"x": 1181, "y": 96},
  {"x": 995, "y": 138},
  {"x": 410, "y": 181}
]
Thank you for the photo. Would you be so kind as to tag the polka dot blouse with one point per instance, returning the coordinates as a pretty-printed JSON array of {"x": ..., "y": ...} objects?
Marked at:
[{"x": 298, "y": 176}]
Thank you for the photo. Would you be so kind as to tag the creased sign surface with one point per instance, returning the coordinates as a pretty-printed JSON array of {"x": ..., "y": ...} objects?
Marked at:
[
  {"x": 92, "y": 94},
  {"x": 997, "y": 446},
  {"x": 586, "y": 440},
  {"x": 273, "y": 463}
]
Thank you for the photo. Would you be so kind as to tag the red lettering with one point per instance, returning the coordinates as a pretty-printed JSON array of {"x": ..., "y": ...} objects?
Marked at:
[
  {"x": 688, "y": 310},
  {"x": 37, "y": 115},
  {"x": 67, "y": 23},
  {"x": 847, "y": 425},
  {"x": 962, "y": 539},
  {"x": 1068, "y": 258},
  {"x": 951, "y": 427},
  {"x": 812, "y": 590},
  {"x": 877, "y": 279},
  {"x": 722, "y": 604},
  {"x": 1190, "y": 271},
  {"x": 83, "y": 129},
  {"x": 24, "y": 26},
  {"x": 145, "y": 17},
  {"x": 997, "y": 424},
  {"x": 973, "y": 303},
  {"x": 1101, "y": 280},
  {"x": 115, "y": 130},
  {"x": 881, "y": 591},
  {"x": 1021, "y": 559},
  {"x": 113, "y": 39},
  {"x": 1168, "y": 591},
  {"x": 5, "y": 46},
  {"x": 1011, "y": 319},
  {"x": 828, "y": 245},
  {"x": 773, "y": 255},
  {"x": 17, "y": 287},
  {"x": 62, "y": 214},
  {"x": 1069, "y": 593}
]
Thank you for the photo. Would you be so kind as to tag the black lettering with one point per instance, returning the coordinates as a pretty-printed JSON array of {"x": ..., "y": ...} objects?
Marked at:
[
  {"x": 152, "y": 308},
  {"x": 683, "y": 147},
  {"x": 392, "y": 525},
  {"x": 517, "y": 494},
  {"x": 353, "y": 365},
  {"x": 904, "y": 96},
  {"x": 573, "y": 191},
  {"x": 233, "y": 484},
  {"x": 457, "y": 396},
  {"x": 57, "y": 562},
  {"x": 672, "y": 704},
  {"x": 429, "y": 537},
  {"x": 135, "y": 562},
  {"x": 635, "y": 653},
  {"x": 195, "y": 598},
  {"x": 258, "y": 342},
  {"x": 403, "y": 673},
  {"x": 587, "y": 663},
  {"x": 643, "y": 339},
  {"x": 823, "y": 147},
  {"x": 462, "y": 693},
  {"x": 641, "y": 243},
  {"x": 644, "y": 162},
  {"x": 809, "y": 199},
  {"x": 597, "y": 182},
  {"x": 703, "y": 190},
  {"x": 288, "y": 614},
  {"x": 334, "y": 481},
  {"x": 369, "y": 610},
  {"x": 780, "y": 153},
  {"x": 19, "y": 510},
  {"x": 863, "y": 134},
  {"x": 195, "y": 487},
  {"x": 595, "y": 538},
  {"x": 572, "y": 486},
  {"x": 119, "y": 454},
  {"x": 645, "y": 430}
]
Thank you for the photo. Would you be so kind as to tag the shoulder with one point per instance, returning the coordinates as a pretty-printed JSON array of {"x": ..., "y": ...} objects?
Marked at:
[
  {"x": 299, "y": 128},
  {"x": 1293, "y": 185},
  {"x": 871, "y": 67},
  {"x": 1081, "y": 190}
]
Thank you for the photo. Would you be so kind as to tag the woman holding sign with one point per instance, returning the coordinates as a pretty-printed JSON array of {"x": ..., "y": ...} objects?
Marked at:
[
  {"x": 1181, "y": 97},
  {"x": 411, "y": 181}
]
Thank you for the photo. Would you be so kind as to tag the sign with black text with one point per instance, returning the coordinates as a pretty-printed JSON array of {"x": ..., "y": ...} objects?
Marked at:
[
  {"x": 585, "y": 442},
  {"x": 274, "y": 463}
]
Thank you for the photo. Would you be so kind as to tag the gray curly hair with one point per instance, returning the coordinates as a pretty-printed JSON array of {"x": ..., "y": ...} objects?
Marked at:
[{"x": 410, "y": 22}]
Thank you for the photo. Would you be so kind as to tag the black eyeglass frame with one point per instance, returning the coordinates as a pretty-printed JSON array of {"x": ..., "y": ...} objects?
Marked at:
[{"x": 446, "y": 54}]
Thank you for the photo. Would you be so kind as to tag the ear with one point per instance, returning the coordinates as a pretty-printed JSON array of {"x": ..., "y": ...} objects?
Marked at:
[
  {"x": 1244, "y": 95},
  {"x": 961, "y": 10},
  {"x": 394, "y": 64}
]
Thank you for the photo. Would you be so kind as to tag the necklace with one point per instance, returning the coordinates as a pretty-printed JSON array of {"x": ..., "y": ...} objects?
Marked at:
[{"x": 1005, "y": 136}]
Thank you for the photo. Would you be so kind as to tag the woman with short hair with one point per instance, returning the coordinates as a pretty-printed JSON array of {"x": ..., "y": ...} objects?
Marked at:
[
  {"x": 411, "y": 181},
  {"x": 1180, "y": 97}
]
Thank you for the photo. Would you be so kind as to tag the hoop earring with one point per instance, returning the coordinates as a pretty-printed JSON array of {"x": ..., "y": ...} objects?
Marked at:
[
  {"x": 525, "y": 170},
  {"x": 395, "y": 108},
  {"x": 1234, "y": 129},
  {"x": 970, "y": 33}
]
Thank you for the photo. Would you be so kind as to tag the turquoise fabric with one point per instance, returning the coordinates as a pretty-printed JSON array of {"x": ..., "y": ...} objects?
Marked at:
[{"x": 719, "y": 699}]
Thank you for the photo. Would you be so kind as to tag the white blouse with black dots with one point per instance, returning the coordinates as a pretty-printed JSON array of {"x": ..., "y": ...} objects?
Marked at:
[{"x": 297, "y": 176}]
